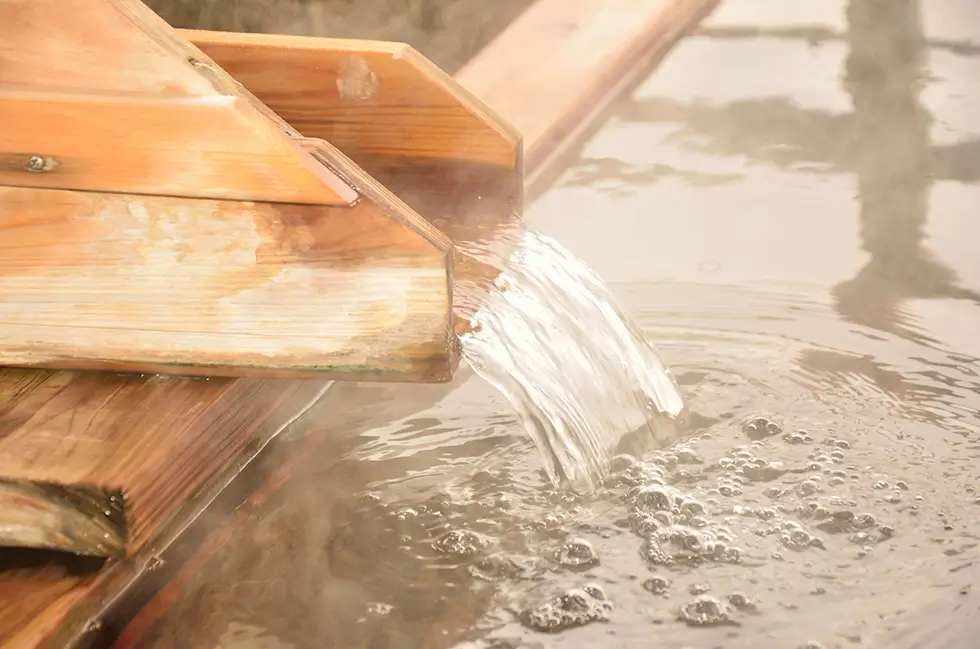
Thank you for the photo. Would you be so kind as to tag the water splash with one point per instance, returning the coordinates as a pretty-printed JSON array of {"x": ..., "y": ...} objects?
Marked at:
[{"x": 550, "y": 336}]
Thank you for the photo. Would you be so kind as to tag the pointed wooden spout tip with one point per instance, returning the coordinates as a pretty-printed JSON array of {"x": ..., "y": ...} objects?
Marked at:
[
  {"x": 85, "y": 520},
  {"x": 396, "y": 115}
]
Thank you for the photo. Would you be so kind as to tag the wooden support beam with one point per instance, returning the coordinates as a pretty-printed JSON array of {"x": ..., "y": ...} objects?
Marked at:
[
  {"x": 49, "y": 605},
  {"x": 555, "y": 71},
  {"x": 221, "y": 288}
]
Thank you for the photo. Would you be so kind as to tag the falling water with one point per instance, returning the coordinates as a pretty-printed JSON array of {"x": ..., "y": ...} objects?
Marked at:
[{"x": 550, "y": 336}]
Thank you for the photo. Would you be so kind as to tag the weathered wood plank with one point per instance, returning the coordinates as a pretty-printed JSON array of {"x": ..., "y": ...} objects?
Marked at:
[
  {"x": 201, "y": 287},
  {"x": 553, "y": 73},
  {"x": 121, "y": 431}
]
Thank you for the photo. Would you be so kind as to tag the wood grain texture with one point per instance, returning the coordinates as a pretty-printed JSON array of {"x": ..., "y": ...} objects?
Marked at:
[
  {"x": 212, "y": 147},
  {"x": 398, "y": 117},
  {"x": 370, "y": 97},
  {"x": 114, "y": 105},
  {"x": 122, "y": 431},
  {"x": 558, "y": 65},
  {"x": 201, "y": 287},
  {"x": 153, "y": 261},
  {"x": 85, "y": 520},
  {"x": 44, "y": 605}
]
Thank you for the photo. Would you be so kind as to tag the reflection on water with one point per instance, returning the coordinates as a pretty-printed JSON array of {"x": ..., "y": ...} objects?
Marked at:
[{"x": 803, "y": 252}]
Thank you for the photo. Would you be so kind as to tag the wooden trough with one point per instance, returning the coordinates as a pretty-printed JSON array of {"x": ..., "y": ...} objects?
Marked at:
[{"x": 268, "y": 213}]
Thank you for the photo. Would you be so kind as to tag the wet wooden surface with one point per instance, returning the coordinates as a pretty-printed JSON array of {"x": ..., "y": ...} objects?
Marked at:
[
  {"x": 200, "y": 287},
  {"x": 45, "y": 604},
  {"x": 121, "y": 431}
]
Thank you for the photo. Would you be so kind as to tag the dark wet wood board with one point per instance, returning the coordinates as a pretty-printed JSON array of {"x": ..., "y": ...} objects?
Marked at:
[{"x": 222, "y": 423}]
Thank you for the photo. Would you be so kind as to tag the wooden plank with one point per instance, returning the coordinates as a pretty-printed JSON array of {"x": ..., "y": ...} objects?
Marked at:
[
  {"x": 398, "y": 117},
  {"x": 212, "y": 147},
  {"x": 362, "y": 96},
  {"x": 201, "y": 287},
  {"x": 78, "y": 45},
  {"x": 75, "y": 607},
  {"x": 79, "y": 113},
  {"x": 204, "y": 423},
  {"x": 554, "y": 71}
]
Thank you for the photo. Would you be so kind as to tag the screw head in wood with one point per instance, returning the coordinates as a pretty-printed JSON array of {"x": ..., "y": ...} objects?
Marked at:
[{"x": 35, "y": 163}]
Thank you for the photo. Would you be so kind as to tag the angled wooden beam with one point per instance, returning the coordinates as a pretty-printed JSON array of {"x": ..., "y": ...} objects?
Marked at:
[
  {"x": 215, "y": 147},
  {"x": 368, "y": 98},
  {"x": 555, "y": 71},
  {"x": 103, "y": 99}
]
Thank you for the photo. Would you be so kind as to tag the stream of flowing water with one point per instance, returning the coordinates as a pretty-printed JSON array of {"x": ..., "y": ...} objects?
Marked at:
[{"x": 549, "y": 334}]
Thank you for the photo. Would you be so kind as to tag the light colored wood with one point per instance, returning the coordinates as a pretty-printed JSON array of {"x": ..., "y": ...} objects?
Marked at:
[
  {"x": 49, "y": 605},
  {"x": 558, "y": 64},
  {"x": 82, "y": 46},
  {"x": 397, "y": 116},
  {"x": 186, "y": 228},
  {"x": 113, "y": 281},
  {"x": 204, "y": 147},
  {"x": 105, "y": 47},
  {"x": 377, "y": 98},
  {"x": 100, "y": 96}
]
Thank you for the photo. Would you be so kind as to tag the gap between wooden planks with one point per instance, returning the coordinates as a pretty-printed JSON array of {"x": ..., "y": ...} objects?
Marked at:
[{"x": 551, "y": 74}]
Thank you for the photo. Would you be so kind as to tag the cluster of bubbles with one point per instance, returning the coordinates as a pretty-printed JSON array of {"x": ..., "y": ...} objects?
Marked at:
[{"x": 700, "y": 517}]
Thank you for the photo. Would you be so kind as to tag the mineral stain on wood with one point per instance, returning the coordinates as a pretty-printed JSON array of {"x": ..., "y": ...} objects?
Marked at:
[
  {"x": 82, "y": 520},
  {"x": 356, "y": 80}
]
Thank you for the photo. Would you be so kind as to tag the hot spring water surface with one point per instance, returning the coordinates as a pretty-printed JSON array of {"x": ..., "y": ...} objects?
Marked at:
[{"x": 788, "y": 208}]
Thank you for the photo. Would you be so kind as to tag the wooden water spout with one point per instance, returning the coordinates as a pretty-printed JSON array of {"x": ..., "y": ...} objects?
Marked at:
[{"x": 158, "y": 217}]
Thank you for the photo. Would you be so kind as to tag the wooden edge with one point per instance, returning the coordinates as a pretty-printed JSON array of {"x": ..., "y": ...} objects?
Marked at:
[
  {"x": 111, "y": 102},
  {"x": 197, "y": 147},
  {"x": 554, "y": 72},
  {"x": 393, "y": 113},
  {"x": 208, "y": 430},
  {"x": 85, "y": 520},
  {"x": 382, "y": 86},
  {"x": 222, "y": 288},
  {"x": 127, "y": 600}
]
